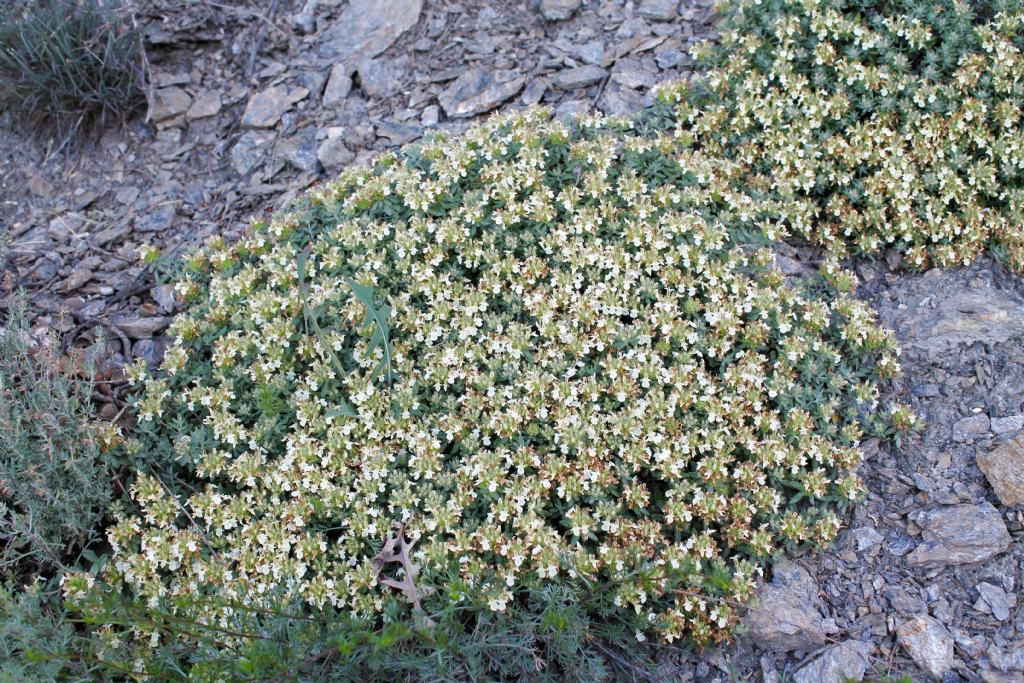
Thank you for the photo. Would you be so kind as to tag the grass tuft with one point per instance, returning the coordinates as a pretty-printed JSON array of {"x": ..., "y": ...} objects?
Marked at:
[{"x": 69, "y": 67}]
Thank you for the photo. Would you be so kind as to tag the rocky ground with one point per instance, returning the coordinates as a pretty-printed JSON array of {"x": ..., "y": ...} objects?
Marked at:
[{"x": 254, "y": 102}]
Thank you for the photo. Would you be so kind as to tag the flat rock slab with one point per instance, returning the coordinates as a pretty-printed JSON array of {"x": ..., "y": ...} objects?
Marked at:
[
  {"x": 368, "y": 27},
  {"x": 836, "y": 664},
  {"x": 1004, "y": 469},
  {"x": 928, "y": 643},
  {"x": 265, "y": 109},
  {"x": 959, "y": 534},
  {"x": 786, "y": 615},
  {"x": 967, "y": 317},
  {"x": 478, "y": 90}
]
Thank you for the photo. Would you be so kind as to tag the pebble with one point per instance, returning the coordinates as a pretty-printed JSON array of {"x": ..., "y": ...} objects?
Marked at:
[
  {"x": 836, "y": 664},
  {"x": 959, "y": 534},
  {"x": 1004, "y": 469},
  {"x": 479, "y": 90},
  {"x": 249, "y": 150},
  {"x": 928, "y": 643},
  {"x": 659, "y": 10},
  {"x": 558, "y": 10},
  {"x": 169, "y": 103},
  {"x": 339, "y": 85},
  {"x": 578, "y": 77},
  {"x": 378, "y": 79},
  {"x": 205, "y": 105},
  {"x": 266, "y": 108},
  {"x": 785, "y": 615},
  {"x": 158, "y": 220},
  {"x": 334, "y": 154}
]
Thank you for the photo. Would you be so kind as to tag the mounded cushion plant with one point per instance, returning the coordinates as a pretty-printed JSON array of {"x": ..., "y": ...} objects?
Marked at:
[
  {"x": 877, "y": 124},
  {"x": 534, "y": 355}
]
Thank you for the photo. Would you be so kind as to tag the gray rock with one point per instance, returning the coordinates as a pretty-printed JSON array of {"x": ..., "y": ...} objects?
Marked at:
[
  {"x": 304, "y": 21},
  {"x": 659, "y": 10},
  {"x": 399, "y": 133},
  {"x": 591, "y": 52},
  {"x": 1004, "y": 469},
  {"x": 169, "y": 103},
  {"x": 631, "y": 73},
  {"x": 970, "y": 427},
  {"x": 568, "y": 110},
  {"x": 994, "y": 601},
  {"x": 1008, "y": 425},
  {"x": 1009, "y": 659},
  {"x": 672, "y": 58},
  {"x": 339, "y": 85},
  {"x": 334, "y": 154},
  {"x": 430, "y": 116},
  {"x": 265, "y": 109},
  {"x": 785, "y": 615},
  {"x": 479, "y": 90},
  {"x": 300, "y": 151},
  {"x": 866, "y": 538},
  {"x": 205, "y": 105},
  {"x": 959, "y": 534},
  {"x": 77, "y": 279},
  {"x": 928, "y": 643},
  {"x": 988, "y": 316},
  {"x": 165, "y": 297},
  {"x": 158, "y": 220},
  {"x": 578, "y": 77},
  {"x": 142, "y": 328},
  {"x": 378, "y": 79},
  {"x": 249, "y": 150},
  {"x": 368, "y": 27},
  {"x": 534, "y": 91},
  {"x": 836, "y": 664},
  {"x": 617, "y": 100},
  {"x": 558, "y": 10},
  {"x": 151, "y": 350}
]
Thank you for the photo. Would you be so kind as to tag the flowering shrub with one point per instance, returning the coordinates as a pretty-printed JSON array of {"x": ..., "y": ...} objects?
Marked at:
[
  {"x": 876, "y": 123},
  {"x": 530, "y": 356}
]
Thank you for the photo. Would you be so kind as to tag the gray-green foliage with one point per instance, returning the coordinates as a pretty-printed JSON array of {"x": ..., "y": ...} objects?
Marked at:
[
  {"x": 67, "y": 64},
  {"x": 53, "y": 484}
]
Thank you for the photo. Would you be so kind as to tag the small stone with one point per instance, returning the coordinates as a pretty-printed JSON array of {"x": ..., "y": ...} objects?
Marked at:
[
  {"x": 579, "y": 77},
  {"x": 785, "y": 615},
  {"x": 150, "y": 350},
  {"x": 249, "y": 150},
  {"x": 334, "y": 154},
  {"x": 568, "y": 110},
  {"x": 1009, "y": 659},
  {"x": 558, "y": 10},
  {"x": 168, "y": 103},
  {"x": 165, "y": 297},
  {"x": 206, "y": 104},
  {"x": 836, "y": 664},
  {"x": 1004, "y": 469},
  {"x": 866, "y": 538},
  {"x": 1008, "y": 425},
  {"x": 590, "y": 52},
  {"x": 479, "y": 90},
  {"x": 534, "y": 91},
  {"x": 959, "y": 534},
  {"x": 430, "y": 116},
  {"x": 399, "y": 133},
  {"x": 672, "y": 58},
  {"x": 998, "y": 602},
  {"x": 265, "y": 109},
  {"x": 300, "y": 151},
  {"x": 969, "y": 427},
  {"x": 928, "y": 643},
  {"x": 339, "y": 85},
  {"x": 659, "y": 10},
  {"x": 630, "y": 73},
  {"x": 619, "y": 101},
  {"x": 142, "y": 328},
  {"x": 378, "y": 79},
  {"x": 368, "y": 27},
  {"x": 74, "y": 281},
  {"x": 158, "y": 220}
]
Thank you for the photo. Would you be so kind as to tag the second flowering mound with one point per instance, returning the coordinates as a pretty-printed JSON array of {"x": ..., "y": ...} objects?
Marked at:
[{"x": 541, "y": 354}]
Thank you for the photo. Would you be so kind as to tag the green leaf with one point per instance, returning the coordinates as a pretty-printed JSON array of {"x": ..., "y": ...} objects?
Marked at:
[{"x": 378, "y": 317}]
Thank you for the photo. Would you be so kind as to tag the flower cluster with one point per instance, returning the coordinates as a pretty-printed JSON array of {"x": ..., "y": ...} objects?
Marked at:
[
  {"x": 897, "y": 125},
  {"x": 571, "y": 370}
]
